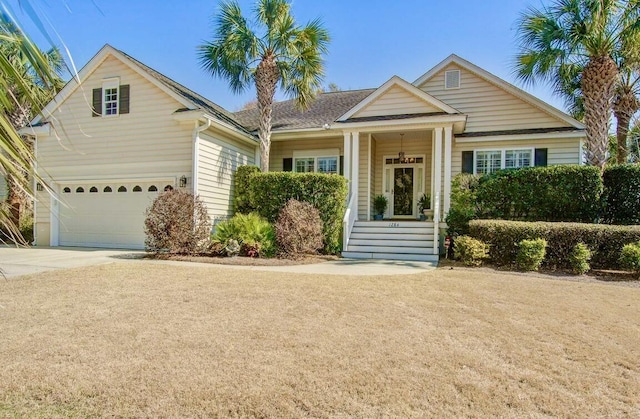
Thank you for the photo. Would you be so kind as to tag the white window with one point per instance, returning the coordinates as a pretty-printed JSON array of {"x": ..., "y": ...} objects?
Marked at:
[
  {"x": 320, "y": 161},
  {"x": 489, "y": 161},
  {"x": 110, "y": 97}
]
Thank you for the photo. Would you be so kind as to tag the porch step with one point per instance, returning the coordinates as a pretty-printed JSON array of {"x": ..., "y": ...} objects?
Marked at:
[
  {"x": 392, "y": 240},
  {"x": 391, "y": 256}
]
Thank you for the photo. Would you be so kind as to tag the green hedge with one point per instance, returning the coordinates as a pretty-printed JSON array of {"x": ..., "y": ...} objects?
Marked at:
[
  {"x": 554, "y": 193},
  {"x": 267, "y": 193},
  {"x": 606, "y": 241},
  {"x": 621, "y": 197}
]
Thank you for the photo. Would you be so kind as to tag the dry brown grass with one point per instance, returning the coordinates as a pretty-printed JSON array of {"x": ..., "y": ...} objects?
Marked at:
[{"x": 142, "y": 339}]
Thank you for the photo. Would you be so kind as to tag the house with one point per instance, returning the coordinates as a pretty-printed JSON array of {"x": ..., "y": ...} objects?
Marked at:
[{"x": 109, "y": 144}]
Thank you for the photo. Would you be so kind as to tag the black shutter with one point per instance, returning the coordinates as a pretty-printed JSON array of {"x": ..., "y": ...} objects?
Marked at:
[
  {"x": 540, "y": 157},
  {"x": 467, "y": 162},
  {"x": 341, "y": 165},
  {"x": 124, "y": 99},
  {"x": 287, "y": 165},
  {"x": 97, "y": 102}
]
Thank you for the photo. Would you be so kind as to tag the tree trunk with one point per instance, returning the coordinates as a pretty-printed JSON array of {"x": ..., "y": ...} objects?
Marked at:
[
  {"x": 625, "y": 105},
  {"x": 598, "y": 87},
  {"x": 266, "y": 77}
]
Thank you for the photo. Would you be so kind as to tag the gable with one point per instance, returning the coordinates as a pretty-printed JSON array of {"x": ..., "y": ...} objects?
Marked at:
[
  {"x": 396, "y": 101},
  {"x": 489, "y": 106}
]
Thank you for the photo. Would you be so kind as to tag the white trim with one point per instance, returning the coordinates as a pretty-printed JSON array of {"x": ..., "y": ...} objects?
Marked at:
[
  {"x": 510, "y": 88},
  {"x": 54, "y": 217},
  {"x": 347, "y": 161},
  {"x": 397, "y": 81},
  {"x": 447, "y": 169},
  {"x": 581, "y": 156},
  {"x": 437, "y": 181},
  {"x": 503, "y": 152},
  {"x": 355, "y": 171},
  {"x": 110, "y": 83},
  {"x": 110, "y": 179},
  {"x": 513, "y": 137},
  {"x": 422, "y": 122}
]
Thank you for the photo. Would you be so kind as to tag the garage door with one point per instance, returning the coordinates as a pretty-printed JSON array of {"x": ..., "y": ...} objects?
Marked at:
[{"x": 106, "y": 214}]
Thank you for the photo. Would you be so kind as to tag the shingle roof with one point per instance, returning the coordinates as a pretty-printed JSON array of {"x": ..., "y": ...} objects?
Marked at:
[
  {"x": 198, "y": 100},
  {"x": 518, "y": 132},
  {"x": 325, "y": 109},
  {"x": 394, "y": 117}
]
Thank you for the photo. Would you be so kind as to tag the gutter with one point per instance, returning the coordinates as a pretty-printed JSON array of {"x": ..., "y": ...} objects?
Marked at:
[{"x": 196, "y": 151}]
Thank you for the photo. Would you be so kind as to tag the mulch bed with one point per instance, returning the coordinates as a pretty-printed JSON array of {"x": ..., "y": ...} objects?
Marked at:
[{"x": 243, "y": 260}]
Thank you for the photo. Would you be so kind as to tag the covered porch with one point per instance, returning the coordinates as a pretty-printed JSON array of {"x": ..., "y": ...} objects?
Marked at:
[{"x": 403, "y": 162}]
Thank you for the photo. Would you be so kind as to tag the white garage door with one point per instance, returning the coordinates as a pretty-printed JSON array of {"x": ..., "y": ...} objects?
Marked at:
[{"x": 105, "y": 214}]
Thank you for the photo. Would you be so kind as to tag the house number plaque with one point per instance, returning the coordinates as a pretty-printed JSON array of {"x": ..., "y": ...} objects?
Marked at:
[{"x": 394, "y": 224}]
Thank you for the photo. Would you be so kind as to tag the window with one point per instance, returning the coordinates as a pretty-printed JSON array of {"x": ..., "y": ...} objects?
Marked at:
[
  {"x": 122, "y": 189},
  {"x": 107, "y": 189},
  {"x": 79, "y": 189},
  {"x": 93, "y": 189},
  {"x": 153, "y": 188},
  {"x": 489, "y": 161},
  {"x": 320, "y": 161},
  {"x": 66, "y": 190},
  {"x": 137, "y": 188},
  {"x": 111, "y": 99}
]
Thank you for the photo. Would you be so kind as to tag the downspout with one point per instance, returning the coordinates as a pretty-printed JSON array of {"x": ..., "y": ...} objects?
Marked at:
[{"x": 196, "y": 151}]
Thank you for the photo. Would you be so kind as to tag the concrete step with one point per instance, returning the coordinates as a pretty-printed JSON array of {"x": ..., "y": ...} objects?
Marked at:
[
  {"x": 392, "y": 230},
  {"x": 391, "y": 243},
  {"x": 391, "y": 256},
  {"x": 388, "y": 249},
  {"x": 394, "y": 223},
  {"x": 383, "y": 236}
]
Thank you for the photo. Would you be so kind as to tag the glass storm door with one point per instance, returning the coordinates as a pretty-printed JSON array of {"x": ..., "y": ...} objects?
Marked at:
[{"x": 403, "y": 191}]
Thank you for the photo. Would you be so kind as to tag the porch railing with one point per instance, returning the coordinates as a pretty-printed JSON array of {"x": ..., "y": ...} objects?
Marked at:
[{"x": 349, "y": 220}]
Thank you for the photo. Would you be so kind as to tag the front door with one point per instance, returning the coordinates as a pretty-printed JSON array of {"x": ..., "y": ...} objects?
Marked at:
[{"x": 403, "y": 191}]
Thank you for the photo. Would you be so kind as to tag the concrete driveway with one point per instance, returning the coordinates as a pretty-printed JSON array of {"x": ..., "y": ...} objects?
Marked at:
[{"x": 23, "y": 261}]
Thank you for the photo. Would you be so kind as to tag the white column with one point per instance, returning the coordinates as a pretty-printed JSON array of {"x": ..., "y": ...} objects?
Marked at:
[
  {"x": 347, "y": 156},
  {"x": 369, "y": 169},
  {"x": 448, "y": 134},
  {"x": 355, "y": 165},
  {"x": 437, "y": 186}
]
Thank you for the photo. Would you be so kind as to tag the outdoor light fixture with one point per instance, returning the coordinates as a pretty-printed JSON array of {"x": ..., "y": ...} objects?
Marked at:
[
  {"x": 183, "y": 181},
  {"x": 39, "y": 187},
  {"x": 401, "y": 153}
]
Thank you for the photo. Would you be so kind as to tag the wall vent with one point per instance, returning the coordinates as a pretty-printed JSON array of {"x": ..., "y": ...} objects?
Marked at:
[{"x": 452, "y": 79}]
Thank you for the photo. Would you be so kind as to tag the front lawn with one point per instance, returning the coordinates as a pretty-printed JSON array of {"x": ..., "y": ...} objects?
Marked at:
[{"x": 144, "y": 339}]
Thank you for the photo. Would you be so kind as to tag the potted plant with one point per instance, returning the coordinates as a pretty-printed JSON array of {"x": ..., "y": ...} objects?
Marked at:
[
  {"x": 424, "y": 203},
  {"x": 380, "y": 203}
]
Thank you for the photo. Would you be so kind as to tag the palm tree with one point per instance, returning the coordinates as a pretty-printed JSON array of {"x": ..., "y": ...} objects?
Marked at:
[
  {"x": 25, "y": 71},
  {"x": 276, "y": 51},
  {"x": 625, "y": 104},
  {"x": 557, "y": 40}
]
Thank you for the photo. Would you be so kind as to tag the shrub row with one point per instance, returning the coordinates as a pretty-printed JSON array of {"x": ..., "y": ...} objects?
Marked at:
[
  {"x": 604, "y": 241},
  {"x": 621, "y": 197},
  {"x": 267, "y": 193},
  {"x": 554, "y": 193}
]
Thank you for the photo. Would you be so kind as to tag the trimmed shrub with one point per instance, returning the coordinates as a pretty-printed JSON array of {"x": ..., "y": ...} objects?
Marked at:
[
  {"x": 553, "y": 193},
  {"x": 630, "y": 257},
  {"x": 255, "y": 235},
  {"x": 470, "y": 251},
  {"x": 242, "y": 197},
  {"x": 605, "y": 241},
  {"x": 531, "y": 254},
  {"x": 621, "y": 197},
  {"x": 177, "y": 222},
  {"x": 269, "y": 192},
  {"x": 463, "y": 204},
  {"x": 299, "y": 229},
  {"x": 579, "y": 258}
]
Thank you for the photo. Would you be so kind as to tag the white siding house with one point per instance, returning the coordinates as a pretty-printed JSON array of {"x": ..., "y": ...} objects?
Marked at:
[{"x": 109, "y": 144}]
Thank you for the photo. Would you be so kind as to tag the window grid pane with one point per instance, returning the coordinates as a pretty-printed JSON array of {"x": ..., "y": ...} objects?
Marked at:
[
  {"x": 488, "y": 161},
  {"x": 305, "y": 165},
  {"x": 517, "y": 158},
  {"x": 111, "y": 101},
  {"x": 327, "y": 165}
]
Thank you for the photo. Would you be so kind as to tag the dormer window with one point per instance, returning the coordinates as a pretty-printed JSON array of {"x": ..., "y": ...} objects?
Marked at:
[{"x": 112, "y": 99}]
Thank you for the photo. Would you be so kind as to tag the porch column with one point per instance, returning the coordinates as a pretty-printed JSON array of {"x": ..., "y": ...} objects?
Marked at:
[
  {"x": 355, "y": 168},
  {"x": 437, "y": 186},
  {"x": 347, "y": 160},
  {"x": 448, "y": 131}
]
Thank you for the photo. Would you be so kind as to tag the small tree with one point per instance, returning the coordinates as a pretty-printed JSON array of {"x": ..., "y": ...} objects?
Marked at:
[
  {"x": 299, "y": 229},
  {"x": 177, "y": 222}
]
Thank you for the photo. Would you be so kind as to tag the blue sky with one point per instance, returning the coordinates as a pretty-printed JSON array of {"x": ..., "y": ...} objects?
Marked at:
[{"x": 371, "y": 40}]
